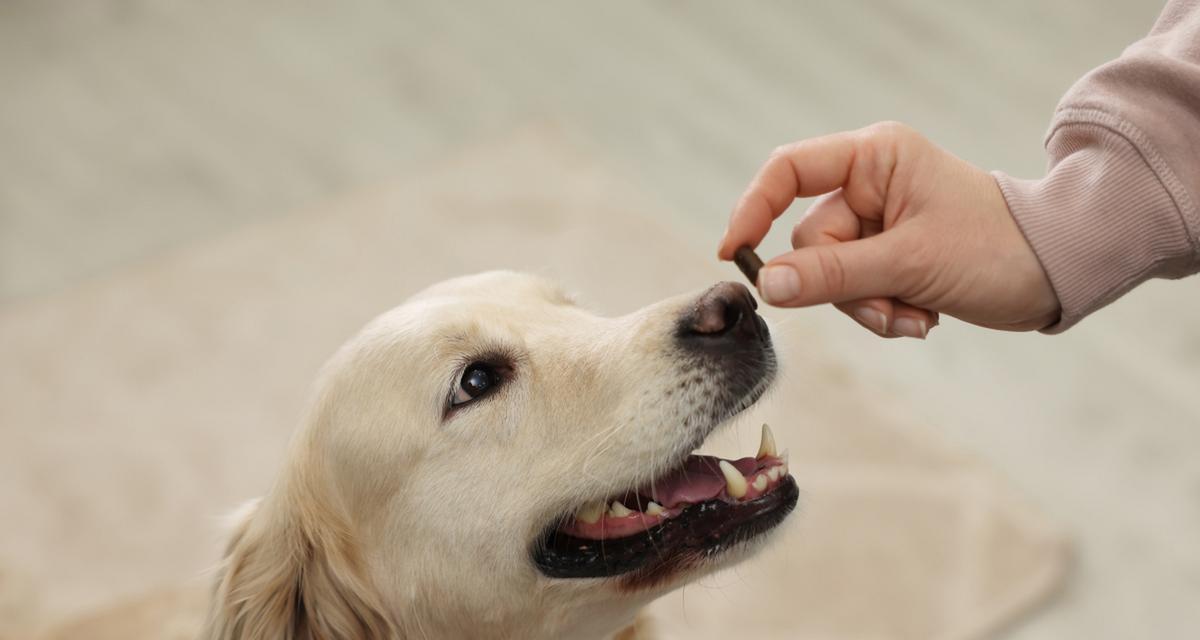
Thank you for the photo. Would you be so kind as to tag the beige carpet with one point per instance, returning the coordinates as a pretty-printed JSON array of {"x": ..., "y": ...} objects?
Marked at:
[{"x": 135, "y": 410}]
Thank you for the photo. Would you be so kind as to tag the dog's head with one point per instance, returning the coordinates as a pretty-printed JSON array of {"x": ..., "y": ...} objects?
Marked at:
[{"x": 491, "y": 459}]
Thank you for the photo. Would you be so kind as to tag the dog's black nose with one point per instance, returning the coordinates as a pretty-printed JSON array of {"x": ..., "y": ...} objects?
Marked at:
[{"x": 724, "y": 313}]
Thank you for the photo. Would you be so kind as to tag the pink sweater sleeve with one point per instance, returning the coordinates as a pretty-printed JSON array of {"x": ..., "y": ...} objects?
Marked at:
[{"x": 1118, "y": 205}]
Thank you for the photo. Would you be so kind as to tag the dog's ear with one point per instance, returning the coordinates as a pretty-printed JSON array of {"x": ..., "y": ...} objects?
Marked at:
[{"x": 293, "y": 576}]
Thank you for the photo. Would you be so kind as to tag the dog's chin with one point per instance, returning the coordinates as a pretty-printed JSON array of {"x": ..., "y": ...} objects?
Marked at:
[{"x": 699, "y": 513}]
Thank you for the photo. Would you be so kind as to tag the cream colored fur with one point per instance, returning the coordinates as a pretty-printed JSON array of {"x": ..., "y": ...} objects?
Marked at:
[{"x": 390, "y": 520}]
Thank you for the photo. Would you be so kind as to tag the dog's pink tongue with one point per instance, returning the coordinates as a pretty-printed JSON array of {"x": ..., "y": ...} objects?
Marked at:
[{"x": 699, "y": 479}]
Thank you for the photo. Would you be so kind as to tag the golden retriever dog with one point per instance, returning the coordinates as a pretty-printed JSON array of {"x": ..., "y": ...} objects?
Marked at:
[{"x": 489, "y": 460}]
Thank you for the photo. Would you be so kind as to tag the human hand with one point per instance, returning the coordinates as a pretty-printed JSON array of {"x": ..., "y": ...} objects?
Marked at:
[{"x": 903, "y": 231}]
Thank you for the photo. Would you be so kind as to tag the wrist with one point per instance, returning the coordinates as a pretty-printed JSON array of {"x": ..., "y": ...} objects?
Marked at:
[{"x": 1100, "y": 222}]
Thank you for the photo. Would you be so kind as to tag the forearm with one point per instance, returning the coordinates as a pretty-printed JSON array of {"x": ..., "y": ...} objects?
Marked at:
[{"x": 1119, "y": 204}]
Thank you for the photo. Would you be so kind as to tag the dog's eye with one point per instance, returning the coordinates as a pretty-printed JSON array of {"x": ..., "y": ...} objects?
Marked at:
[{"x": 478, "y": 380}]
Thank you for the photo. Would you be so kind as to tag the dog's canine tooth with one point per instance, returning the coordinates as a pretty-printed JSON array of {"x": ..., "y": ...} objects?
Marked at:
[
  {"x": 760, "y": 482},
  {"x": 618, "y": 510},
  {"x": 767, "y": 446},
  {"x": 654, "y": 509},
  {"x": 591, "y": 512},
  {"x": 735, "y": 483}
]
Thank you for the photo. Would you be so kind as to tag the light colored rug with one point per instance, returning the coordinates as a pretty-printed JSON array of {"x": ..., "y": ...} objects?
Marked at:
[{"x": 136, "y": 410}]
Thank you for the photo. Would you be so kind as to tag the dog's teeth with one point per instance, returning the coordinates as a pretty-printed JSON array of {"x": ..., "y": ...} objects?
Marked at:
[
  {"x": 618, "y": 510},
  {"x": 767, "y": 446},
  {"x": 591, "y": 512},
  {"x": 735, "y": 483},
  {"x": 655, "y": 509},
  {"x": 773, "y": 473},
  {"x": 760, "y": 482}
]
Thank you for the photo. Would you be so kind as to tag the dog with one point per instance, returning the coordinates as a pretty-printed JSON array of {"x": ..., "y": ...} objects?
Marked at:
[{"x": 490, "y": 460}]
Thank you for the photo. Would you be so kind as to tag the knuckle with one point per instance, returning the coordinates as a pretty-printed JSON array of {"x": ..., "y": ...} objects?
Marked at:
[
  {"x": 889, "y": 140},
  {"x": 833, "y": 272},
  {"x": 892, "y": 130},
  {"x": 782, "y": 151}
]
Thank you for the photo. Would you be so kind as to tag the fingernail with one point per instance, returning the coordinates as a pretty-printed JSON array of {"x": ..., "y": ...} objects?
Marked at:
[
  {"x": 873, "y": 319},
  {"x": 778, "y": 284},
  {"x": 911, "y": 328}
]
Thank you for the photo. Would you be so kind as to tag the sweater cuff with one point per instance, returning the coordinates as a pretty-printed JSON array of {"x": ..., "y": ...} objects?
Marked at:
[{"x": 1101, "y": 222}]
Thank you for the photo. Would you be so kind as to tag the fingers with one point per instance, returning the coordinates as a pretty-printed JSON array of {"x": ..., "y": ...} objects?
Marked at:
[
  {"x": 802, "y": 169},
  {"x": 830, "y": 220},
  {"x": 831, "y": 273},
  {"x": 874, "y": 314},
  {"x": 841, "y": 255},
  {"x": 862, "y": 162},
  {"x": 891, "y": 318},
  {"x": 837, "y": 258},
  {"x": 912, "y": 322}
]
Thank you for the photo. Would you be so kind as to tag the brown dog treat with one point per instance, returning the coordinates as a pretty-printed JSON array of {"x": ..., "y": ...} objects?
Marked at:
[{"x": 748, "y": 262}]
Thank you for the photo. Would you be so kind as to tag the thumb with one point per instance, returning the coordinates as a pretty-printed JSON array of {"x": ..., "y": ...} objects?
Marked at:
[{"x": 865, "y": 268}]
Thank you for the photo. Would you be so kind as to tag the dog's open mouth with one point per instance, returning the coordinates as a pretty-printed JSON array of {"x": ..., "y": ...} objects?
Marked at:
[{"x": 701, "y": 508}]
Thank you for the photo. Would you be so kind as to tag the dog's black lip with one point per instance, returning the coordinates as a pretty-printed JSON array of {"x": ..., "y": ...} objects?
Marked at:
[{"x": 700, "y": 531}]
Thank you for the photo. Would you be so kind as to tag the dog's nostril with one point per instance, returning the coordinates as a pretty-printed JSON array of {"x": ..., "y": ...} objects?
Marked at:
[
  {"x": 725, "y": 306},
  {"x": 733, "y": 315}
]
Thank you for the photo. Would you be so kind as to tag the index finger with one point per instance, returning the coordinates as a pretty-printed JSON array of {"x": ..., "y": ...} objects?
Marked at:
[{"x": 798, "y": 170}]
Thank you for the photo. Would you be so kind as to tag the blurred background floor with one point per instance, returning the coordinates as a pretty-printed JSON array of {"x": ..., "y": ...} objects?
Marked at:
[{"x": 128, "y": 129}]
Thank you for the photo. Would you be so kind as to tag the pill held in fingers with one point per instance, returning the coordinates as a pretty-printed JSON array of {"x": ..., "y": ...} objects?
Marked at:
[{"x": 748, "y": 262}]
